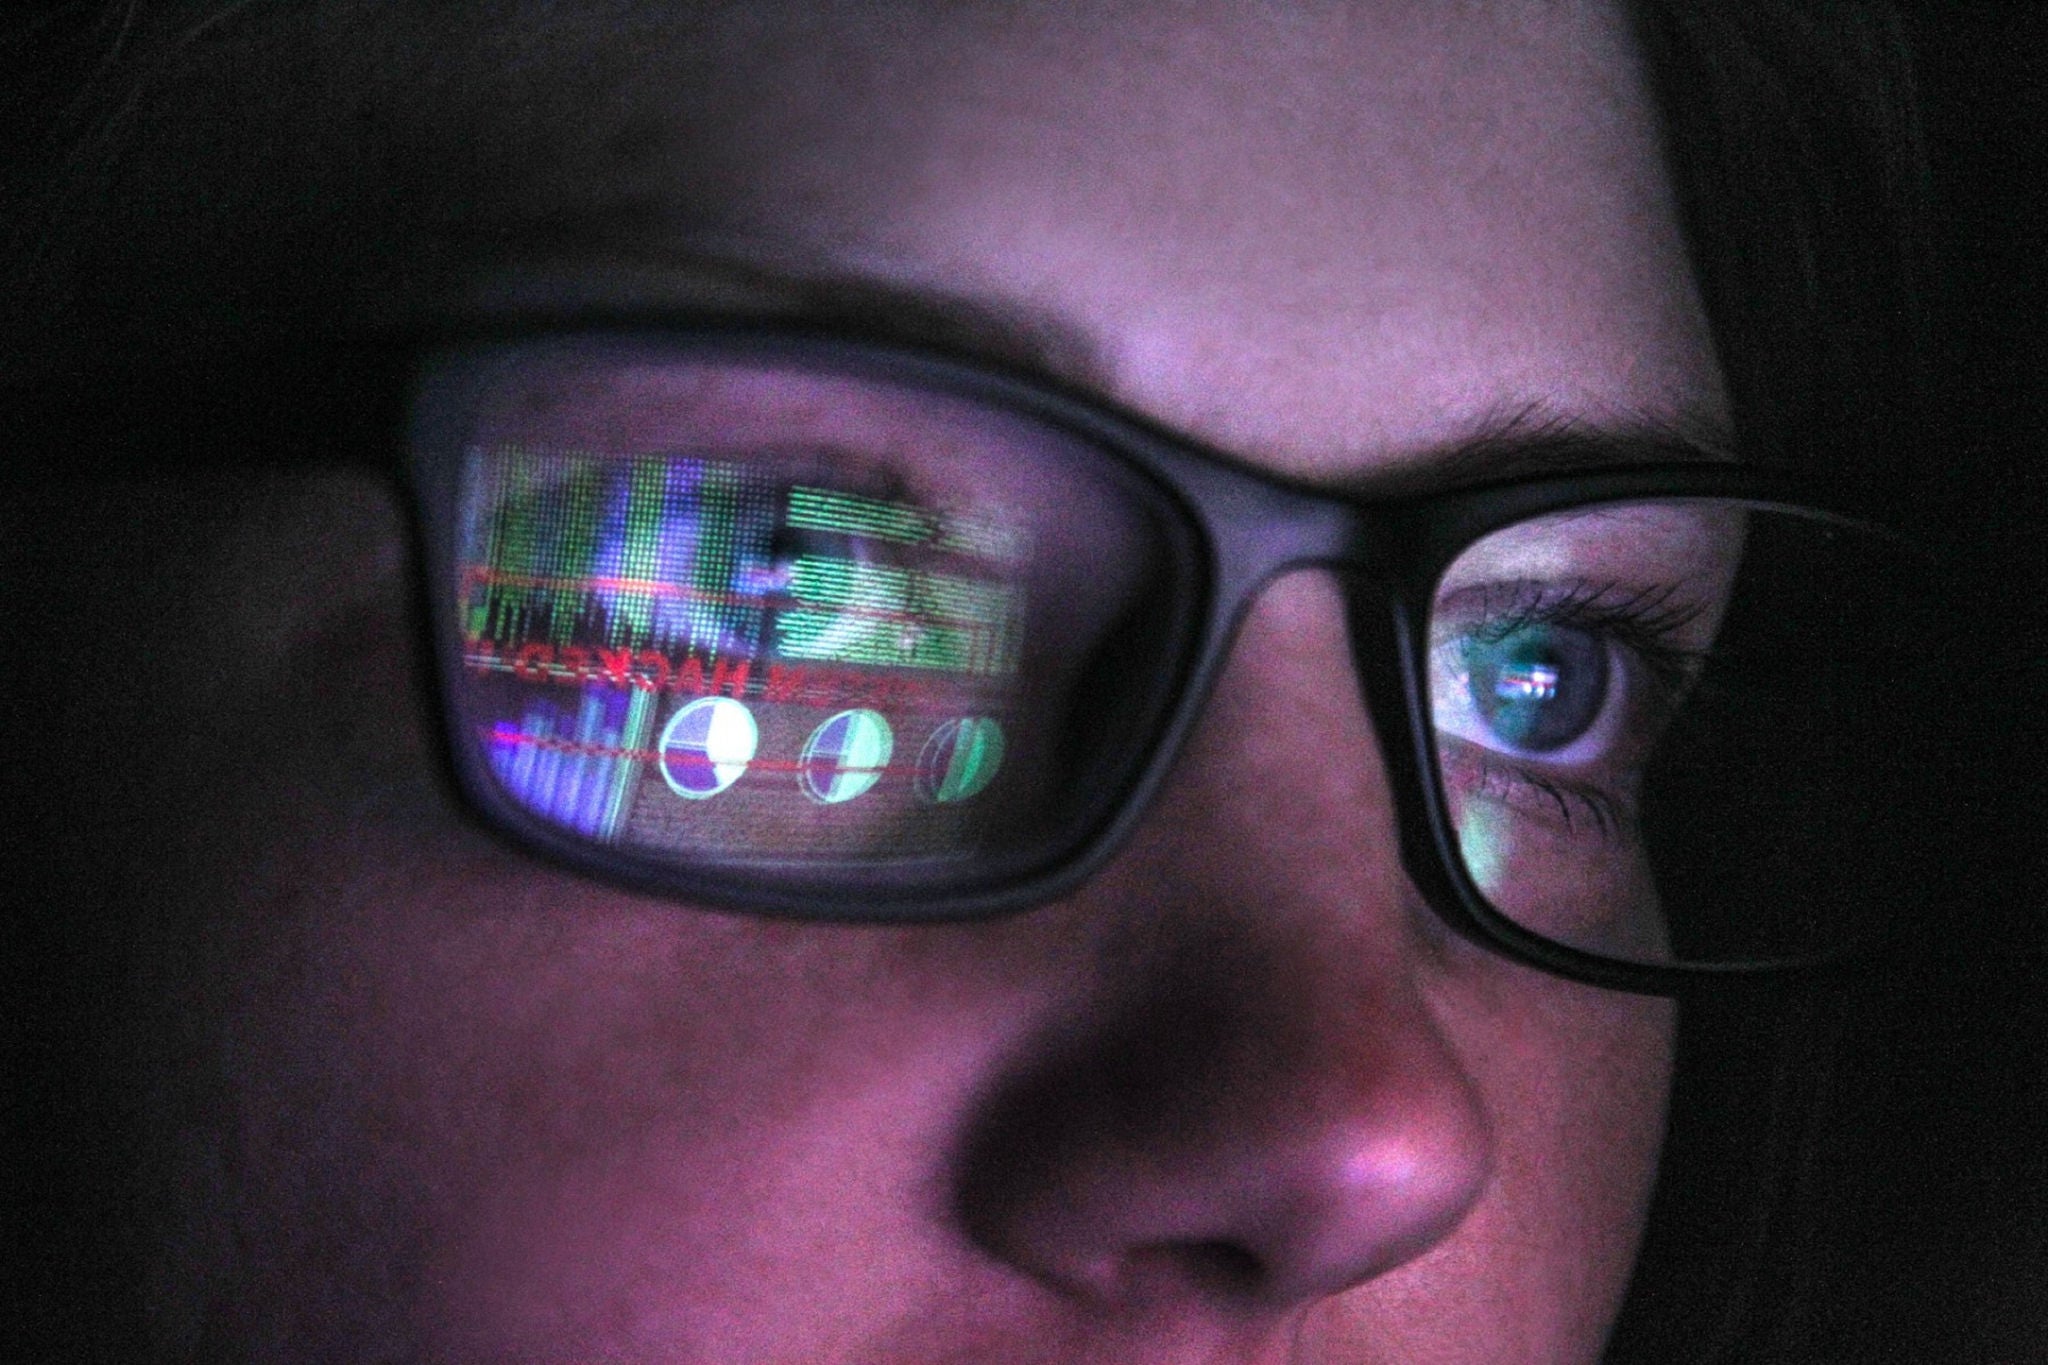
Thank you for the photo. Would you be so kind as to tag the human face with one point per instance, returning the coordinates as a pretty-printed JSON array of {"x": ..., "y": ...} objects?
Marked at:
[{"x": 1241, "y": 1097}]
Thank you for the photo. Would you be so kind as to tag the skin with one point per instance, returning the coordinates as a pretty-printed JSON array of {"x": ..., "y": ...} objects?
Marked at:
[{"x": 1242, "y": 1098}]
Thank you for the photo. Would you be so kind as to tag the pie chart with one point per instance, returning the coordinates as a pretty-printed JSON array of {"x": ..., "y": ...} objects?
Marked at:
[
  {"x": 960, "y": 759},
  {"x": 845, "y": 756},
  {"x": 706, "y": 746}
]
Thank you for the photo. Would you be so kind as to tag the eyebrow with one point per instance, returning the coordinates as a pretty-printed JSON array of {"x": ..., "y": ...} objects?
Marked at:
[
  {"x": 749, "y": 277},
  {"x": 1539, "y": 439}
]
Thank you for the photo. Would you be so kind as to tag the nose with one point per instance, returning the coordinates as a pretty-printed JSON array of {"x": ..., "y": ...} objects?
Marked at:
[{"x": 1255, "y": 1105}]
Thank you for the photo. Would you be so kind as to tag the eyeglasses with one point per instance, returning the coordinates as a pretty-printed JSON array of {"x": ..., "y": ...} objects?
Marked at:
[{"x": 816, "y": 628}]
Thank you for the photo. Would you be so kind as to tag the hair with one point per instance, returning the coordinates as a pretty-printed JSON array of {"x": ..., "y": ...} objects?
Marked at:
[
  {"x": 1792, "y": 136},
  {"x": 1792, "y": 142}
]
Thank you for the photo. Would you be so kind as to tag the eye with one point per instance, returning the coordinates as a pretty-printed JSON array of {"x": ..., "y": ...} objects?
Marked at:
[
  {"x": 774, "y": 567},
  {"x": 1534, "y": 688}
]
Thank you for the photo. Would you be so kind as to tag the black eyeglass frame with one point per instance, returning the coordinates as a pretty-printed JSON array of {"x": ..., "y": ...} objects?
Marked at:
[{"x": 1241, "y": 528}]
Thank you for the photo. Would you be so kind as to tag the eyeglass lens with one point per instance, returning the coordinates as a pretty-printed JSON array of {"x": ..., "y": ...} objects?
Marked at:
[
  {"x": 1671, "y": 731},
  {"x": 839, "y": 629},
  {"x": 730, "y": 614}
]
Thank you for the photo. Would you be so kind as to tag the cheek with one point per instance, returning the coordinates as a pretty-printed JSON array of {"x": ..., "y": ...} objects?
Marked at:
[
  {"x": 1576, "y": 1082},
  {"x": 461, "y": 1097},
  {"x": 625, "y": 1124}
]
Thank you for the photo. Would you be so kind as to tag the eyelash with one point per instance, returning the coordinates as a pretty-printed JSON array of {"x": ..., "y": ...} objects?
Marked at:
[
  {"x": 1645, "y": 621},
  {"x": 1500, "y": 778}
]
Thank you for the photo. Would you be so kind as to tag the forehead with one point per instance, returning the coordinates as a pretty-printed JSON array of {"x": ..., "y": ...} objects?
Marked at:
[
  {"x": 1317, "y": 235},
  {"x": 1261, "y": 222}
]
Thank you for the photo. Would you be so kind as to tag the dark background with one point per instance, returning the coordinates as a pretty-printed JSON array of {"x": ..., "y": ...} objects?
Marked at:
[{"x": 1927, "y": 1211}]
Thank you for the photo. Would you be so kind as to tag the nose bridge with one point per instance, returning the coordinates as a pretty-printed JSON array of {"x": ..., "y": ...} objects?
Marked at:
[
  {"x": 1263, "y": 532},
  {"x": 1279, "y": 812},
  {"x": 1260, "y": 1107}
]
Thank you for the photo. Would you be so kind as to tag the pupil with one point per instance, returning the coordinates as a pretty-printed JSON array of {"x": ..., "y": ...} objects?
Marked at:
[
  {"x": 1526, "y": 682},
  {"x": 1538, "y": 688}
]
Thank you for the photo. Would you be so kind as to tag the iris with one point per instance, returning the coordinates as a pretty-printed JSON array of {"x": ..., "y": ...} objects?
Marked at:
[{"x": 1537, "y": 687}]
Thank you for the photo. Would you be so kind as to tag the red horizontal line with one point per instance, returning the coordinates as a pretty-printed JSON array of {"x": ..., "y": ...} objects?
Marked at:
[
  {"x": 585, "y": 749},
  {"x": 823, "y": 687}
]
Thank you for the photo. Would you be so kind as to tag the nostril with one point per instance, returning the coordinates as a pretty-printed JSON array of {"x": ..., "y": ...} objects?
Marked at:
[
  {"x": 1221, "y": 1270},
  {"x": 1160, "y": 1274}
]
